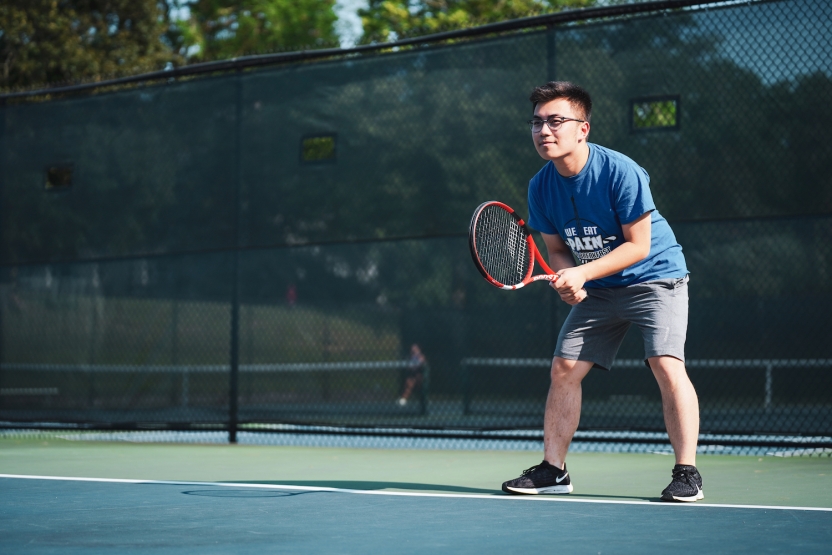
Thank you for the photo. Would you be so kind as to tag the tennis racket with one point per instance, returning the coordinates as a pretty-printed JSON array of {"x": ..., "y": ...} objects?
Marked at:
[{"x": 503, "y": 249}]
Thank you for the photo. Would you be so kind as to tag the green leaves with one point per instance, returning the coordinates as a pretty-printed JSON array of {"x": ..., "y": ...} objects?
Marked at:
[
  {"x": 51, "y": 41},
  {"x": 387, "y": 20},
  {"x": 223, "y": 29},
  {"x": 67, "y": 41}
]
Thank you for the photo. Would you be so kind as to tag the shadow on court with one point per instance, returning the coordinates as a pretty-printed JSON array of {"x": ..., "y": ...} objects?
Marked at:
[
  {"x": 246, "y": 493},
  {"x": 360, "y": 485},
  {"x": 363, "y": 485}
]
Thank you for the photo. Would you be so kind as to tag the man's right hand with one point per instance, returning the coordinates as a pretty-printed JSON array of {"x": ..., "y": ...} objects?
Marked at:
[{"x": 572, "y": 298}]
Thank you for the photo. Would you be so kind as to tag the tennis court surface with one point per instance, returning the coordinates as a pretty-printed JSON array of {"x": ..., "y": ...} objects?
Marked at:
[
  {"x": 246, "y": 253},
  {"x": 64, "y": 495}
]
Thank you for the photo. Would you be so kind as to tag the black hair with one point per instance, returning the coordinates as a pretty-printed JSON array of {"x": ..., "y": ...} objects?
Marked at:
[{"x": 577, "y": 96}]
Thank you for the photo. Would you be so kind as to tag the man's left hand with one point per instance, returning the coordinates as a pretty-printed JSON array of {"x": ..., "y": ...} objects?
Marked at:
[{"x": 570, "y": 285}]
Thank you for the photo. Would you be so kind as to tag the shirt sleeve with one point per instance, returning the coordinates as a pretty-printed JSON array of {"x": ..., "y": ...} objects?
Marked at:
[{"x": 631, "y": 193}]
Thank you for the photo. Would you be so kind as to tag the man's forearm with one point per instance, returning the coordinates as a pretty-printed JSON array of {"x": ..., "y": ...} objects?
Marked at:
[
  {"x": 560, "y": 260},
  {"x": 621, "y": 257}
]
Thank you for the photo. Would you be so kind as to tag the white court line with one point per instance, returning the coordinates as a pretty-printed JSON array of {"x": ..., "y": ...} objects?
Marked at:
[{"x": 562, "y": 499}]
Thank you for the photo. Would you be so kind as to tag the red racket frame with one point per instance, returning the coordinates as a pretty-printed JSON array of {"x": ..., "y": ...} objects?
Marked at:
[{"x": 550, "y": 275}]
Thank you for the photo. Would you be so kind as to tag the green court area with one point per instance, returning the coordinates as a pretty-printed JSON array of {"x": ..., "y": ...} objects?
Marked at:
[
  {"x": 71, "y": 496},
  {"x": 733, "y": 480}
]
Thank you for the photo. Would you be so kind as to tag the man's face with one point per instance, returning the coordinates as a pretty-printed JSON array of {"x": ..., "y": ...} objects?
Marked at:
[{"x": 567, "y": 138}]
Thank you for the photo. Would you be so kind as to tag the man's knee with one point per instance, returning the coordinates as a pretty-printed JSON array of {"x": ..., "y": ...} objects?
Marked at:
[
  {"x": 565, "y": 371},
  {"x": 668, "y": 370}
]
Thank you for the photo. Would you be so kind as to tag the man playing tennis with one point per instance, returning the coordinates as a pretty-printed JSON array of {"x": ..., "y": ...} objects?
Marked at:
[{"x": 619, "y": 264}]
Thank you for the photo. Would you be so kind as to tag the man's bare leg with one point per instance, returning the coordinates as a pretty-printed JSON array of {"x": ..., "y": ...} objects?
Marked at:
[
  {"x": 680, "y": 406},
  {"x": 563, "y": 408}
]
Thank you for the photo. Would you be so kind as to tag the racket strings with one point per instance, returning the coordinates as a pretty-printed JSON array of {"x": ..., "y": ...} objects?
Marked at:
[{"x": 501, "y": 246}]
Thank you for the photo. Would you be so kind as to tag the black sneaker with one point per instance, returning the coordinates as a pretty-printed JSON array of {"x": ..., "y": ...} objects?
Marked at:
[
  {"x": 541, "y": 478},
  {"x": 686, "y": 485}
]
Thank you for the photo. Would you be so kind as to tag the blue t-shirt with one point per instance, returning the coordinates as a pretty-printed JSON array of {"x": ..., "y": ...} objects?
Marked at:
[{"x": 588, "y": 209}]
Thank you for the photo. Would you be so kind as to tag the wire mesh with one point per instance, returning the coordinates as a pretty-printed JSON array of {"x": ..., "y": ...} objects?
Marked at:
[{"x": 192, "y": 238}]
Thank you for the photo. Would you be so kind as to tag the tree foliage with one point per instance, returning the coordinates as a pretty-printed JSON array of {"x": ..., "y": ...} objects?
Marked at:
[
  {"x": 222, "y": 29},
  {"x": 386, "y": 20},
  {"x": 60, "y": 41},
  {"x": 56, "y": 41}
]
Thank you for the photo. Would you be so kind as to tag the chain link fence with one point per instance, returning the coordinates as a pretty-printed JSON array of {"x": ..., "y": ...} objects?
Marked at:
[{"x": 262, "y": 248}]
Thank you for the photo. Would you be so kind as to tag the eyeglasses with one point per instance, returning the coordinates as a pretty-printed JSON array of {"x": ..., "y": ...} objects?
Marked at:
[{"x": 553, "y": 122}]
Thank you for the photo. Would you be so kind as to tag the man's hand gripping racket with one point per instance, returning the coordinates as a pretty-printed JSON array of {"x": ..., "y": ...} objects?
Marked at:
[{"x": 503, "y": 249}]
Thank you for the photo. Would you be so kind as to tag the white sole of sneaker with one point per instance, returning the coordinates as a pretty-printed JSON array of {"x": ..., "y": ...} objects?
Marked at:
[
  {"x": 550, "y": 490},
  {"x": 699, "y": 495}
]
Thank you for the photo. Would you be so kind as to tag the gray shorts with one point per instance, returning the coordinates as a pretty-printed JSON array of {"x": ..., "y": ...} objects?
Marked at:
[{"x": 595, "y": 328}]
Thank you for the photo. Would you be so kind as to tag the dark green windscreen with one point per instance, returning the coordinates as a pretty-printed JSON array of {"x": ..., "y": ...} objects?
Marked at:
[{"x": 285, "y": 235}]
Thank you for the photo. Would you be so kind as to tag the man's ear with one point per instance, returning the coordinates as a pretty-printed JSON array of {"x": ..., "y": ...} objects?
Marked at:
[{"x": 584, "y": 129}]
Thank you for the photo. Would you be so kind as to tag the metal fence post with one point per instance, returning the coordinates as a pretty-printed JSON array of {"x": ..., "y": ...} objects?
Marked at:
[{"x": 233, "y": 378}]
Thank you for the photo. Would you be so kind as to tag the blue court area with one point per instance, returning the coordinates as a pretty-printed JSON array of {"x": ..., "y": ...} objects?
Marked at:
[{"x": 70, "y": 516}]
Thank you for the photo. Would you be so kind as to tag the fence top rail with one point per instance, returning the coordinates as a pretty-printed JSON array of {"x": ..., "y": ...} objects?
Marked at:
[
  {"x": 246, "y": 62},
  {"x": 691, "y": 363},
  {"x": 286, "y": 367}
]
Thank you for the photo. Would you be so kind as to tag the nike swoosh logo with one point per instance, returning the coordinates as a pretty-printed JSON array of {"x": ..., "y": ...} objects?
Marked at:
[{"x": 562, "y": 478}]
